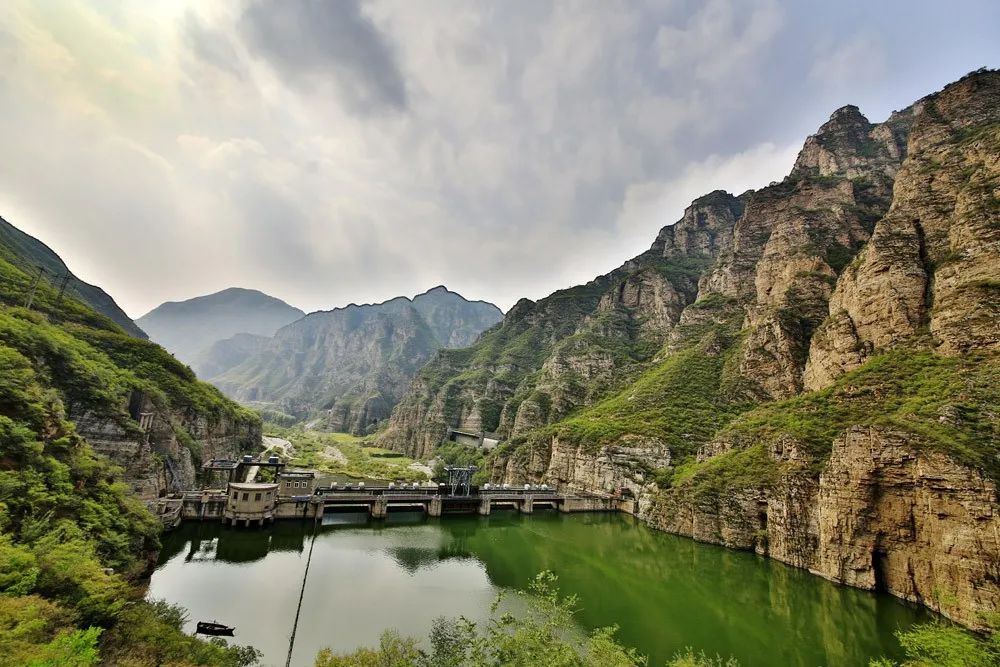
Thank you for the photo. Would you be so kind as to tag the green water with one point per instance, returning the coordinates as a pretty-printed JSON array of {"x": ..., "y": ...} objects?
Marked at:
[{"x": 664, "y": 592}]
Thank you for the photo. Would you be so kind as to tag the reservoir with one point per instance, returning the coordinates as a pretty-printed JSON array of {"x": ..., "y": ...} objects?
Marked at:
[{"x": 664, "y": 592}]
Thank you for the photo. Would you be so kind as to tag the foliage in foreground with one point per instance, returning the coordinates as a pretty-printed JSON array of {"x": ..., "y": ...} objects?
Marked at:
[
  {"x": 942, "y": 644},
  {"x": 543, "y": 635},
  {"x": 72, "y": 537}
]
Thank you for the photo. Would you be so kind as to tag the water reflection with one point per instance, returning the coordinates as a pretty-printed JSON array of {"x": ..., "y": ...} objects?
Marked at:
[{"x": 664, "y": 592}]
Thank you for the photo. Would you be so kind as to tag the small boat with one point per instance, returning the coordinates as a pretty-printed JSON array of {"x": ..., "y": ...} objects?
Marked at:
[{"x": 213, "y": 628}]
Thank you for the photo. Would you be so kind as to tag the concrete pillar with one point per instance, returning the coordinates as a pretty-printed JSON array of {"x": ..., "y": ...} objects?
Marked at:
[
  {"x": 379, "y": 508},
  {"x": 434, "y": 506},
  {"x": 527, "y": 505},
  {"x": 564, "y": 506},
  {"x": 484, "y": 506}
]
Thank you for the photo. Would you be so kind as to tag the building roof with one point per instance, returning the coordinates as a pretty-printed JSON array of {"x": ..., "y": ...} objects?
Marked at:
[
  {"x": 253, "y": 486},
  {"x": 297, "y": 473}
]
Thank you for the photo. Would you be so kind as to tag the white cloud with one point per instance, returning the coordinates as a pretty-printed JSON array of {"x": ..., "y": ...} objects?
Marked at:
[{"x": 509, "y": 149}]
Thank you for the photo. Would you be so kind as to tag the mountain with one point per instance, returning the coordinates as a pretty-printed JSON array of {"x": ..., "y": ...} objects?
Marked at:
[
  {"x": 190, "y": 328},
  {"x": 347, "y": 367},
  {"x": 93, "y": 421},
  {"x": 810, "y": 370},
  {"x": 29, "y": 254}
]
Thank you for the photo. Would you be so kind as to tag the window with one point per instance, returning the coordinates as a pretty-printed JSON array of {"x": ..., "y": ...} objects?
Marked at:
[
  {"x": 257, "y": 496},
  {"x": 246, "y": 496}
]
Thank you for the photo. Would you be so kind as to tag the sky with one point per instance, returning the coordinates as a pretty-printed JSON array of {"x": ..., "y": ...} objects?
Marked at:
[{"x": 328, "y": 152}]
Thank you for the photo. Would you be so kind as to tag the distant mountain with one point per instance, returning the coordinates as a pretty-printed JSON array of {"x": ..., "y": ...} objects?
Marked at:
[
  {"x": 190, "y": 328},
  {"x": 348, "y": 367},
  {"x": 29, "y": 254}
]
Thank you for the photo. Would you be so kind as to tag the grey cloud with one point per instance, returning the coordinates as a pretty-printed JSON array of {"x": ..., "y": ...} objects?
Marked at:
[
  {"x": 542, "y": 142},
  {"x": 211, "y": 45},
  {"x": 309, "y": 41}
]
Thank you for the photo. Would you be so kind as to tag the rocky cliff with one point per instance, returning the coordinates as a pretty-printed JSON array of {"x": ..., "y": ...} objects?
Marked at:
[
  {"x": 548, "y": 358},
  {"x": 810, "y": 370},
  {"x": 129, "y": 398},
  {"x": 345, "y": 369}
]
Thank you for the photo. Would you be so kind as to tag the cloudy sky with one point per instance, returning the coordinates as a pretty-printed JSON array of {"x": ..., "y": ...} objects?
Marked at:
[{"x": 334, "y": 151}]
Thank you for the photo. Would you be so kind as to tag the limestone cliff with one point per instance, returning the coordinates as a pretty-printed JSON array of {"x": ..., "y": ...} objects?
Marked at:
[
  {"x": 550, "y": 357},
  {"x": 826, "y": 395}
]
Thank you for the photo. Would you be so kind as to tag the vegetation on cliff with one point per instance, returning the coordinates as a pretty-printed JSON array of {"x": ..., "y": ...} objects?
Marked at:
[
  {"x": 945, "y": 403},
  {"x": 72, "y": 538}
]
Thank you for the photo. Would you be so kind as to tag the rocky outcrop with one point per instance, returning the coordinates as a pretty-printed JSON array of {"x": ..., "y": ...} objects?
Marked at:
[
  {"x": 550, "y": 357},
  {"x": 166, "y": 452},
  {"x": 885, "y": 514},
  {"x": 626, "y": 465},
  {"x": 932, "y": 261}
]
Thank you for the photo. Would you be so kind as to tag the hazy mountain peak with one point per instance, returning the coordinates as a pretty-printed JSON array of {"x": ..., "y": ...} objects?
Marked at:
[{"x": 190, "y": 327}]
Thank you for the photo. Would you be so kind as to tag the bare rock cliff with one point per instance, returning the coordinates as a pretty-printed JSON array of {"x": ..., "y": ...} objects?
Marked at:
[{"x": 866, "y": 294}]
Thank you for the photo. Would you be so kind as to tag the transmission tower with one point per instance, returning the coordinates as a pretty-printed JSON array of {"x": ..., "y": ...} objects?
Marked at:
[
  {"x": 63, "y": 282},
  {"x": 34, "y": 286}
]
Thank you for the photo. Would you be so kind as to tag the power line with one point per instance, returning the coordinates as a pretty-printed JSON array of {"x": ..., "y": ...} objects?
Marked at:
[{"x": 302, "y": 592}]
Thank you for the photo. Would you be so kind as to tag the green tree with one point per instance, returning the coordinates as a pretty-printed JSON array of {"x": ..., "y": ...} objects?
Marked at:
[
  {"x": 943, "y": 644},
  {"x": 543, "y": 634}
]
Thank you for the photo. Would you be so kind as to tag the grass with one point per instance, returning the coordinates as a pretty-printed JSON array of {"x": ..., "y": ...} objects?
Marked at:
[
  {"x": 362, "y": 459},
  {"x": 679, "y": 402},
  {"x": 947, "y": 404}
]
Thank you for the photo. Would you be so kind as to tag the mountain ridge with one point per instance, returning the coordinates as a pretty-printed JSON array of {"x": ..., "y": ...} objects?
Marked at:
[
  {"x": 189, "y": 328},
  {"x": 28, "y": 250},
  {"x": 344, "y": 368},
  {"x": 803, "y": 371}
]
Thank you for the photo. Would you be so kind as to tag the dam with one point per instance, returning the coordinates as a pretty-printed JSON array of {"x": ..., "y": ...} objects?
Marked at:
[{"x": 295, "y": 494}]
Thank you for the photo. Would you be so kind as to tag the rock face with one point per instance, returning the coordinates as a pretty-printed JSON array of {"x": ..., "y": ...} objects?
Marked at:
[
  {"x": 31, "y": 254},
  {"x": 192, "y": 329},
  {"x": 933, "y": 259},
  {"x": 884, "y": 515},
  {"x": 167, "y": 455},
  {"x": 347, "y": 368},
  {"x": 712, "y": 376},
  {"x": 548, "y": 358}
]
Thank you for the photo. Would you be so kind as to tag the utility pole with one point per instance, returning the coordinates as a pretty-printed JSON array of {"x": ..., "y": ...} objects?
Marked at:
[
  {"x": 34, "y": 286},
  {"x": 62, "y": 289}
]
